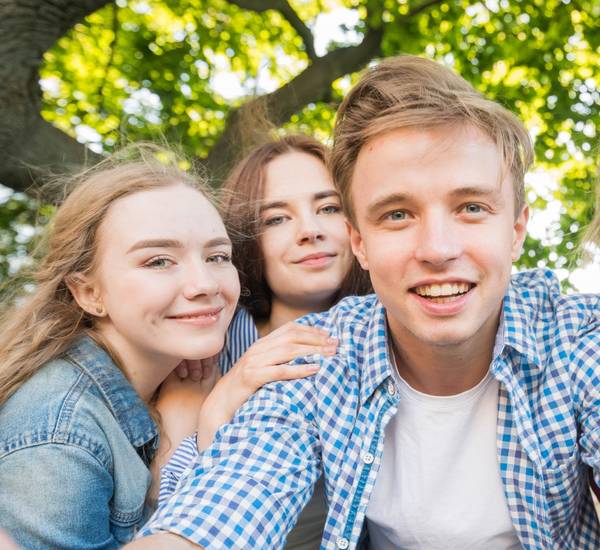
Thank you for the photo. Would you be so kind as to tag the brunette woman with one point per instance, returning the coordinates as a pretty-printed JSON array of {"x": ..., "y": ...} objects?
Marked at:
[{"x": 292, "y": 251}]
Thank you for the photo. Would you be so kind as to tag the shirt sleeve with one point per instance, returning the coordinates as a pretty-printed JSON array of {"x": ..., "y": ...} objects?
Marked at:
[
  {"x": 56, "y": 496},
  {"x": 248, "y": 488},
  {"x": 586, "y": 362},
  {"x": 171, "y": 472}
]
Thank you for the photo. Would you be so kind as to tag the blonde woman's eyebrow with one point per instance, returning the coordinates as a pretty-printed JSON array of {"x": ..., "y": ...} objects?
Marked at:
[{"x": 155, "y": 243}]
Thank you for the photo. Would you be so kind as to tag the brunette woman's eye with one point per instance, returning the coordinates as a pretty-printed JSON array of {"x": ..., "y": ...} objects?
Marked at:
[
  {"x": 161, "y": 262},
  {"x": 330, "y": 209}
]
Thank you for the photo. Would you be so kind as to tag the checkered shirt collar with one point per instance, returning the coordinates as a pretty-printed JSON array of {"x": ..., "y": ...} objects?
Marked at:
[
  {"x": 515, "y": 331},
  {"x": 518, "y": 316},
  {"x": 376, "y": 361}
]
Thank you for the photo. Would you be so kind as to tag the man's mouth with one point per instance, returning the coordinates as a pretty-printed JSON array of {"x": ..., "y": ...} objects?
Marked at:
[{"x": 442, "y": 293}]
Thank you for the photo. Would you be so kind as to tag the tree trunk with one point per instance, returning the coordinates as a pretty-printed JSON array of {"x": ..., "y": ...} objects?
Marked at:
[{"x": 29, "y": 146}]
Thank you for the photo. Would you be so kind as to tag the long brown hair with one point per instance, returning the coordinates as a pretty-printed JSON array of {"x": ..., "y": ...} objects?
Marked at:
[
  {"x": 243, "y": 192},
  {"x": 43, "y": 325}
]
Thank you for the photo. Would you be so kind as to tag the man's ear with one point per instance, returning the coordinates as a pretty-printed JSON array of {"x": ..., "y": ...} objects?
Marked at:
[
  {"x": 357, "y": 245},
  {"x": 86, "y": 293},
  {"x": 519, "y": 233}
]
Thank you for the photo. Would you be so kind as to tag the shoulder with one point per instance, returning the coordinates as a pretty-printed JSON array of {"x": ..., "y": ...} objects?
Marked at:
[
  {"x": 537, "y": 294},
  {"x": 59, "y": 404},
  {"x": 352, "y": 311}
]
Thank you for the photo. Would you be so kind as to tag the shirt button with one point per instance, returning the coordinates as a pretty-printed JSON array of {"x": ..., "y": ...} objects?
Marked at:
[
  {"x": 368, "y": 458},
  {"x": 342, "y": 543},
  {"x": 391, "y": 389}
]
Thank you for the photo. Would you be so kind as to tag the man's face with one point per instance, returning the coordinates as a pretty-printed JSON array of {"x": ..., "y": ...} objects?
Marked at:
[{"x": 436, "y": 228}]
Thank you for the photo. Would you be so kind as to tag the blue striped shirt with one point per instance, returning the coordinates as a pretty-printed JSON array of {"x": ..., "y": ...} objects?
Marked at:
[
  {"x": 247, "y": 489},
  {"x": 241, "y": 334}
]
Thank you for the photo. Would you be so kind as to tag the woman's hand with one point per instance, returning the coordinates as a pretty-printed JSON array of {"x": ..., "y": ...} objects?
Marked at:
[
  {"x": 265, "y": 361},
  {"x": 178, "y": 403}
]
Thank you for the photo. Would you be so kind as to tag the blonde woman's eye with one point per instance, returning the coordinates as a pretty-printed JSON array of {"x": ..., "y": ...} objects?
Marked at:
[
  {"x": 275, "y": 220},
  {"x": 330, "y": 209},
  {"x": 159, "y": 263},
  {"x": 220, "y": 258}
]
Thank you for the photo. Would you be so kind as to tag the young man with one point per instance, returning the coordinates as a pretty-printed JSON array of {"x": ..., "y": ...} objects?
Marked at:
[{"x": 463, "y": 408}]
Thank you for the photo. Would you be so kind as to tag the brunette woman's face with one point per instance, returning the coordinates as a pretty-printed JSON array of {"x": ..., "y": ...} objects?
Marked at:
[
  {"x": 165, "y": 278},
  {"x": 304, "y": 240}
]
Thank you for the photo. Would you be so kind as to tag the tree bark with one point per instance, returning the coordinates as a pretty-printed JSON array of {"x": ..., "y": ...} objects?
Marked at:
[{"x": 29, "y": 146}]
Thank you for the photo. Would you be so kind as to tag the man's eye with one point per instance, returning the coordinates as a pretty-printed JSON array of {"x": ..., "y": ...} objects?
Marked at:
[
  {"x": 220, "y": 258},
  {"x": 397, "y": 215},
  {"x": 473, "y": 208},
  {"x": 159, "y": 262}
]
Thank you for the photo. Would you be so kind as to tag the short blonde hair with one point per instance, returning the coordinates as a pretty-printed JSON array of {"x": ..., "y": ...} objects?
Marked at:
[{"x": 414, "y": 92}]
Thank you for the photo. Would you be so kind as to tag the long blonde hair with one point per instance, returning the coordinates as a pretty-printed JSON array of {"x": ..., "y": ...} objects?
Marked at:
[{"x": 42, "y": 326}]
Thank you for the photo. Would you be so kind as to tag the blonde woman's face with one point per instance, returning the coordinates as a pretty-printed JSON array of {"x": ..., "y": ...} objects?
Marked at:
[
  {"x": 165, "y": 277},
  {"x": 304, "y": 239}
]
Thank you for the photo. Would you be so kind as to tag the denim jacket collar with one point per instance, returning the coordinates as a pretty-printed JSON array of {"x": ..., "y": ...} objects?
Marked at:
[{"x": 128, "y": 408}]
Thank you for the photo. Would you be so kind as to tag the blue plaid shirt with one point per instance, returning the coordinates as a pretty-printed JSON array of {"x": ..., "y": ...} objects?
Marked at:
[{"x": 247, "y": 490}]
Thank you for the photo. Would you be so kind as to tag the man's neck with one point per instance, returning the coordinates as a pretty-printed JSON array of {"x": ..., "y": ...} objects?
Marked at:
[{"x": 445, "y": 369}]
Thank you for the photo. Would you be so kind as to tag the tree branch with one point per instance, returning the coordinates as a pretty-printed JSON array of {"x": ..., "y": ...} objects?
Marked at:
[
  {"x": 39, "y": 151},
  {"x": 423, "y": 7},
  {"x": 283, "y": 7},
  {"x": 28, "y": 144},
  {"x": 311, "y": 85},
  {"x": 111, "y": 56}
]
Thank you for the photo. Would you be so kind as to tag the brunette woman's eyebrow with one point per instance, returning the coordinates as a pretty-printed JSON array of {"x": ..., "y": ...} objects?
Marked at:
[
  {"x": 217, "y": 241},
  {"x": 155, "y": 243},
  {"x": 326, "y": 195},
  {"x": 283, "y": 204}
]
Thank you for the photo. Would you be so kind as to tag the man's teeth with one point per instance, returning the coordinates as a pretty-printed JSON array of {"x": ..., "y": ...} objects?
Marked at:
[{"x": 446, "y": 289}]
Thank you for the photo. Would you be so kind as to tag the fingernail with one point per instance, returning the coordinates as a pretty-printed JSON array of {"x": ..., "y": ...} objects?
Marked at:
[
  {"x": 314, "y": 368},
  {"x": 332, "y": 340},
  {"x": 330, "y": 349}
]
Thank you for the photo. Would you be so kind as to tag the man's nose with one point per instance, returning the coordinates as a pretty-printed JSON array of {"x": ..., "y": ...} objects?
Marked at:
[{"x": 438, "y": 241}]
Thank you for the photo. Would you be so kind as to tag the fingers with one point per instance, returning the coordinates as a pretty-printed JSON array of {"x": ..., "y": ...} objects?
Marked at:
[
  {"x": 181, "y": 370},
  {"x": 287, "y": 372},
  {"x": 290, "y": 342}
]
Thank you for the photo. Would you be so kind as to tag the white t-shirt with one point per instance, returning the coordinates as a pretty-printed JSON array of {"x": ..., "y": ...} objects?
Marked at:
[{"x": 439, "y": 484}]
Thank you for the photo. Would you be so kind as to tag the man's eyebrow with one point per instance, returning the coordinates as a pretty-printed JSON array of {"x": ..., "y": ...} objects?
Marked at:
[
  {"x": 383, "y": 202},
  {"x": 155, "y": 243},
  {"x": 475, "y": 190}
]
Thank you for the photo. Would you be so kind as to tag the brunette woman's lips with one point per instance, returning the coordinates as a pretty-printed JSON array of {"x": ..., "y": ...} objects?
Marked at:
[
  {"x": 199, "y": 317},
  {"x": 318, "y": 259}
]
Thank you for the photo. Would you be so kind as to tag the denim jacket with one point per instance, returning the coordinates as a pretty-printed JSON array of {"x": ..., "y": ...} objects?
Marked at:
[{"x": 75, "y": 444}]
